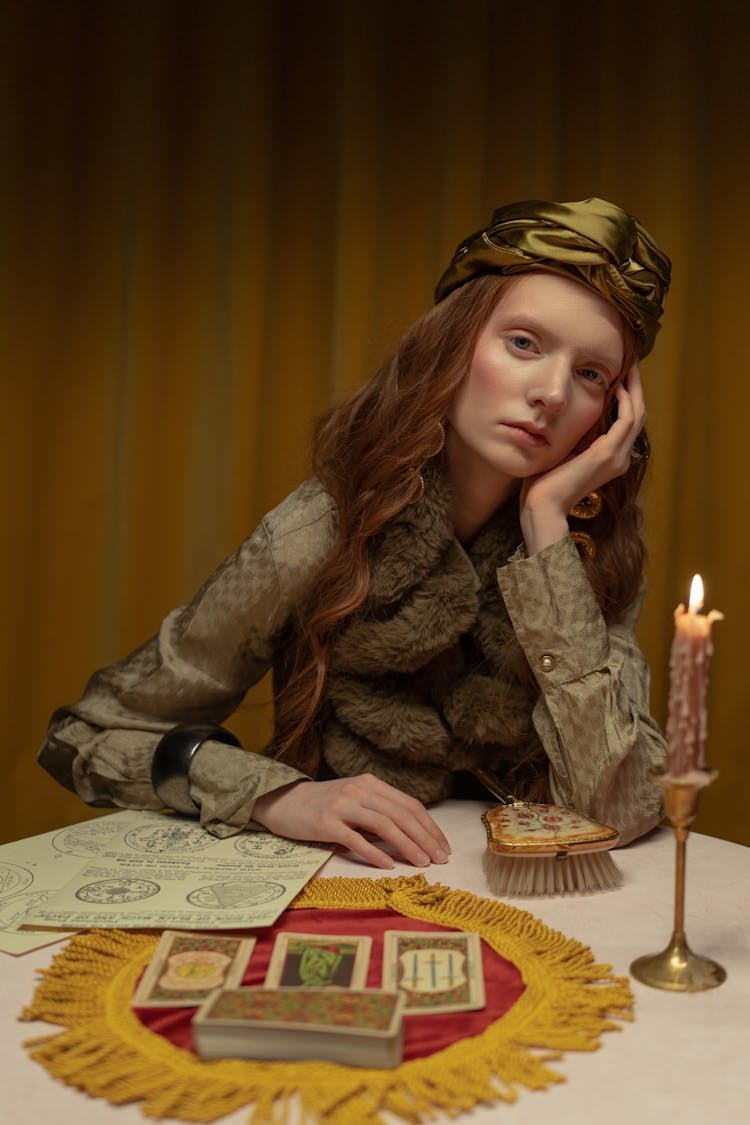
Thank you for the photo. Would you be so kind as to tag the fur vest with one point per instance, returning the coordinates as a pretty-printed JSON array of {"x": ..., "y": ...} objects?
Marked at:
[{"x": 428, "y": 677}]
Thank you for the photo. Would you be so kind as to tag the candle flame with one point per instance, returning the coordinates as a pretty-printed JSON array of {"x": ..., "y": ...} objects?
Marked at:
[{"x": 696, "y": 594}]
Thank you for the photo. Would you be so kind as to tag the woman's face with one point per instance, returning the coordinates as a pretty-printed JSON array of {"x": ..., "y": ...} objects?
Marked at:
[{"x": 539, "y": 379}]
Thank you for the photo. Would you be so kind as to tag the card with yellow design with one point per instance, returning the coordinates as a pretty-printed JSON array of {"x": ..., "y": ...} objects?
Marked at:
[
  {"x": 318, "y": 961},
  {"x": 186, "y": 966}
]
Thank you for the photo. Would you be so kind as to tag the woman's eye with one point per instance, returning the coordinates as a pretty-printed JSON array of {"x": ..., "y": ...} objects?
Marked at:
[
  {"x": 591, "y": 375},
  {"x": 523, "y": 343}
]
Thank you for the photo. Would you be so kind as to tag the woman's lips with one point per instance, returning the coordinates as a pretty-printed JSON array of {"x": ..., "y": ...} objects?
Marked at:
[{"x": 527, "y": 434}]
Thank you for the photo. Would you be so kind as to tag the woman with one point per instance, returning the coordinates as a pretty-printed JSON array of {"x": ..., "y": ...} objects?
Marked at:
[{"x": 435, "y": 601}]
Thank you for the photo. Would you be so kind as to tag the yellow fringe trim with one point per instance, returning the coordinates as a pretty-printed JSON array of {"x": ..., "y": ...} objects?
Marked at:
[{"x": 105, "y": 1050}]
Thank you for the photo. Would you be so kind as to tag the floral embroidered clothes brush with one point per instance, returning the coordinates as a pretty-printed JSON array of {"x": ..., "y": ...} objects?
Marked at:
[{"x": 538, "y": 849}]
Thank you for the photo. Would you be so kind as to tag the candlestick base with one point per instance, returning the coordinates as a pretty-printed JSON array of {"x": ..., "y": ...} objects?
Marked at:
[{"x": 678, "y": 969}]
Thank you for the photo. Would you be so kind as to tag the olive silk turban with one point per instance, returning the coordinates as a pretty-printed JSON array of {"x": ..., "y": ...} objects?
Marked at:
[{"x": 592, "y": 241}]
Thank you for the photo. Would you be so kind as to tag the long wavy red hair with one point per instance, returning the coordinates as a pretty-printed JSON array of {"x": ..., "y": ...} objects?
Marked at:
[{"x": 367, "y": 452}]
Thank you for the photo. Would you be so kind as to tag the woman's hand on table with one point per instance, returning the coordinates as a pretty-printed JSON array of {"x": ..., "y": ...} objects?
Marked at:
[{"x": 343, "y": 810}]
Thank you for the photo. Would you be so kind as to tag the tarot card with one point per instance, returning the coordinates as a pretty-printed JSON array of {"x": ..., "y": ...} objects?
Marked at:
[
  {"x": 358, "y": 1027},
  {"x": 318, "y": 961},
  {"x": 438, "y": 972},
  {"x": 186, "y": 966}
]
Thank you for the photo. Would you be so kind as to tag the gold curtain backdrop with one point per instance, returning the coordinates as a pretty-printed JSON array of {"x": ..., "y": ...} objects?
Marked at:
[{"x": 216, "y": 219}]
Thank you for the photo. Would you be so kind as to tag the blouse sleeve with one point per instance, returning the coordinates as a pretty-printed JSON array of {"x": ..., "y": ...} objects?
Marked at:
[
  {"x": 196, "y": 670},
  {"x": 592, "y": 714}
]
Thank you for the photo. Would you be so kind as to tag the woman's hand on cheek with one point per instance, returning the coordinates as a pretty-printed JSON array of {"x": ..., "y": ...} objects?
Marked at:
[
  {"x": 545, "y": 500},
  {"x": 340, "y": 811}
]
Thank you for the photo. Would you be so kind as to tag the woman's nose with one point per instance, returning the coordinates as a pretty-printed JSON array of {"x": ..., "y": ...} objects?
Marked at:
[{"x": 549, "y": 386}]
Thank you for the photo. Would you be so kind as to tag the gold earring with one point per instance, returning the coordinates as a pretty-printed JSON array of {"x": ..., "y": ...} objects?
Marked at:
[
  {"x": 587, "y": 508},
  {"x": 585, "y": 542},
  {"x": 433, "y": 453},
  {"x": 420, "y": 488}
]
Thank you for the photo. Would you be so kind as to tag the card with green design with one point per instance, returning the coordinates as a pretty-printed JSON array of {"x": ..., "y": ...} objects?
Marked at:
[
  {"x": 187, "y": 966},
  {"x": 438, "y": 972},
  {"x": 318, "y": 961}
]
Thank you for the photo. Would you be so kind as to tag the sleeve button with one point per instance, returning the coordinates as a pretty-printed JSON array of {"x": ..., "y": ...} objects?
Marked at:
[{"x": 546, "y": 663}]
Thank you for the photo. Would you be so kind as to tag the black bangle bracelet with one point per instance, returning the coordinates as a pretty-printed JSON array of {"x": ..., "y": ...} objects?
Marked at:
[{"x": 171, "y": 763}]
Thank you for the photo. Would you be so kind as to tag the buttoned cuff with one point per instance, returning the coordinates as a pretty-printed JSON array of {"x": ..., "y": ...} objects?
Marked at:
[{"x": 554, "y": 613}]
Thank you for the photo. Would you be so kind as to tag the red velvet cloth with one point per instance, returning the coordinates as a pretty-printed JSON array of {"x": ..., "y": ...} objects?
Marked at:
[{"x": 423, "y": 1035}]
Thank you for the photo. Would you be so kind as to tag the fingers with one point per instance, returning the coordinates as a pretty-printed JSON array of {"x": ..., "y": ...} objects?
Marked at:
[
  {"x": 610, "y": 453},
  {"x": 410, "y": 814},
  {"x": 367, "y": 804},
  {"x": 631, "y": 406},
  {"x": 343, "y": 810},
  {"x": 356, "y": 843}
]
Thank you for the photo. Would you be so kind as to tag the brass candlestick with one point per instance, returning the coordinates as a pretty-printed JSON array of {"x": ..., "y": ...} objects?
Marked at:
[{"x": 677, "y": 968}]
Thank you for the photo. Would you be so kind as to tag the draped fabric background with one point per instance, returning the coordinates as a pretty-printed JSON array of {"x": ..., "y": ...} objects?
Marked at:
[{"x": 217, "y": 217}]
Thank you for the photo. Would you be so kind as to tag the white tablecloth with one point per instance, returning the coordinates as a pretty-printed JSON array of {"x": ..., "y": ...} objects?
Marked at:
[{"x": 685, "y": 1058}]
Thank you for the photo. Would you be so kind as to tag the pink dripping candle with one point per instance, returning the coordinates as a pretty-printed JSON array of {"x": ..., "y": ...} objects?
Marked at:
[{"x": 688, "y": 664}]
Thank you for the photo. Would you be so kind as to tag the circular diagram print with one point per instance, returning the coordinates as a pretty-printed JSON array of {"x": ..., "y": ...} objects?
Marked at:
[
  {"x": 13, "y": 879},
  {"x": 12, "y": 910},
  {"x": 266, "y": 844},
  {"x": 169, "y": 838},
  {"x": 81, "y": 840},
  {"x": 229, "y": 896},
  {"x": 109, "y": 891}
]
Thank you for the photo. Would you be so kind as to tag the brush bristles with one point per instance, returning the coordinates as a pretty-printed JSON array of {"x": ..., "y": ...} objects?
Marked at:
[{"x": 584, "y": 873}]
